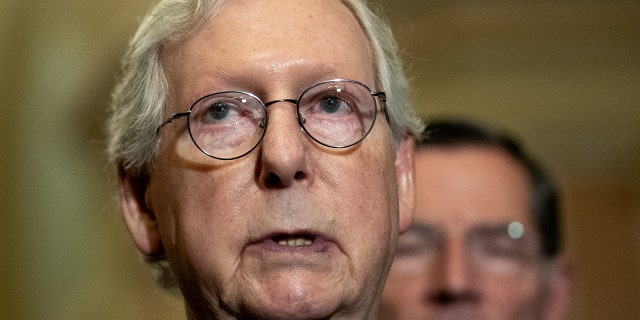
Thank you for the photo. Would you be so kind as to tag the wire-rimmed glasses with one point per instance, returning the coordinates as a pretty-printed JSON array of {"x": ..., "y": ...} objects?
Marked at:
[
  {"x": 227, "y": 125},
  {"x": 492, "y": 250}
]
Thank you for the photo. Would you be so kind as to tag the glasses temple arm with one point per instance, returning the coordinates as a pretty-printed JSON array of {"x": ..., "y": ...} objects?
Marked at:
[
  {"x": 171, "y": 118},
  {"x": 380, "y": 94}
]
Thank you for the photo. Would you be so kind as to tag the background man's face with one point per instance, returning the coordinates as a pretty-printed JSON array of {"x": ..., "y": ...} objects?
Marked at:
[{"x": 473, "y": 251}]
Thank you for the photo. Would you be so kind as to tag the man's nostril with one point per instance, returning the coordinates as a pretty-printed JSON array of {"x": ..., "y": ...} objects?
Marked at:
[{"x": 272, "y": 180}]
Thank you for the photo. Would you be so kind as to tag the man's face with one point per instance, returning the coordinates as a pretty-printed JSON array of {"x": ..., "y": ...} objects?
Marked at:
[
  {"x": 292, "y": 229},
  {"x": 473, "y": 251}
]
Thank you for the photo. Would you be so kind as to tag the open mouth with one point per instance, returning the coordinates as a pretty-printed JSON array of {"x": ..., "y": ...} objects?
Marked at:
[
  {"x": 298, "y": 242},
  {"x": 293, "y": 240}
]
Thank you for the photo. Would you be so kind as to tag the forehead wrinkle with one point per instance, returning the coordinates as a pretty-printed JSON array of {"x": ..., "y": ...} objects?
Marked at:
[
  {"x": 277, "y": 66},
  {"x": 280, "y": 66},
  {"x": 317, "y": 71}
]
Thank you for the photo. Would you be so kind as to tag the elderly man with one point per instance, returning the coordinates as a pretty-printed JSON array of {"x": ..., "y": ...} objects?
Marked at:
[
  {"x": 485, "y": 240},
  {"x": 265, "y": 155}
]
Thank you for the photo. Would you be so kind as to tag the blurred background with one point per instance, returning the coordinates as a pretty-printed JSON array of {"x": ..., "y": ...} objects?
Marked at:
[{"x": 563, "y": 76}]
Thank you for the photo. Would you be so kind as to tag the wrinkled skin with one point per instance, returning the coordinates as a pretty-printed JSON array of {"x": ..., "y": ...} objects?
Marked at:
[{"x": 219, "y": 222}]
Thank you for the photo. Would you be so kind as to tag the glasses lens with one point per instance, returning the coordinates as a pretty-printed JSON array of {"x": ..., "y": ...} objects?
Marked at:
[
  {"x": 227, "y": 125},
  {"x": 490, "y": 250},
  {"x": 498, "y": 252},
  {"x": 337, "y": 113}
]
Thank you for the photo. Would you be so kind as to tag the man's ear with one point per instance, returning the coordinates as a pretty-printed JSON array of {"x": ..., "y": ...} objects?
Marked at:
[
  {"x": 140, "y": 220},
  {"x": 560, "y": 288},
  {"x": 405, "y": 172}
]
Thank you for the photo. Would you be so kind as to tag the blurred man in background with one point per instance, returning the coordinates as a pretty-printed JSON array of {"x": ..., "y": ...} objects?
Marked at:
[{"x": 485, "y": 242}]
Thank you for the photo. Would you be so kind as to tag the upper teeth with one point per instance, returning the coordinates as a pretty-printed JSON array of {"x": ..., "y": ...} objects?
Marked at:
[{"x": 294, "y": 242}]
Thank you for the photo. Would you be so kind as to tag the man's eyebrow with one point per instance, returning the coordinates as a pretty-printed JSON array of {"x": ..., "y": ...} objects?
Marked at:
[
  {"x": 421, "y": 228},
  {"x": 501, "y": 229}
]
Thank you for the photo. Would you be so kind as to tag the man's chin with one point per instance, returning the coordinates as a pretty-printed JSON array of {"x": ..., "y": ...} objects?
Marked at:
[{"x": 295, "y": 303}]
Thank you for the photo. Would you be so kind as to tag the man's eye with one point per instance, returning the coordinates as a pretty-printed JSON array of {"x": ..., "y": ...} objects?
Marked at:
[
  {"x": 410, "y": 249},
  {"x": 218, "y": 111},
  {"x": 331, "y": 104},
  {"x": 504, "y": 249}
]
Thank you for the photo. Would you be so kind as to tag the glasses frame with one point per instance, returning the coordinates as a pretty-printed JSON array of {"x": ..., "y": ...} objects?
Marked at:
[{"x": 264, "y": 123}]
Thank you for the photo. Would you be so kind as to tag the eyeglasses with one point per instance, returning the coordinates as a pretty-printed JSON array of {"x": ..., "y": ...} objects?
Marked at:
[
  {"x": 228, "y": 125},
  {"x": 492, "y": 250}
]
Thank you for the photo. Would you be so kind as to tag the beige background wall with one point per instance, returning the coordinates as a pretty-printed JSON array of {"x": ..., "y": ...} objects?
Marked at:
[{"x": 563, "y": 76}]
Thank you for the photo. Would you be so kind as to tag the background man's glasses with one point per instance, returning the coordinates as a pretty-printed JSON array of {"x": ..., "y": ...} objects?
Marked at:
[
  {"x": 227, "y": 125},
  {"x": 493, "y": 251}
]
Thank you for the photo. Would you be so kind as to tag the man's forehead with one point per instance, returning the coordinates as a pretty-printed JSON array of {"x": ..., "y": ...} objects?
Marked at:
[
  {"x": 468, "y": 186},
  {"x": 265, "y": 45},
  {"x": 462, "y": 218}
]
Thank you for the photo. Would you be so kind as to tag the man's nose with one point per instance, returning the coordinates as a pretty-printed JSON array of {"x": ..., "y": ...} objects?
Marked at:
[
  {"x": 456, "y": 268},
  {"x": 454, "y": 276},
  {"x": 283, "y": 159}
]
